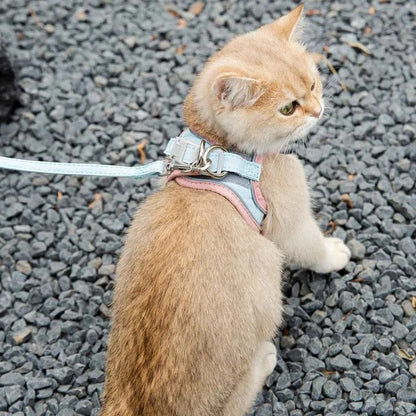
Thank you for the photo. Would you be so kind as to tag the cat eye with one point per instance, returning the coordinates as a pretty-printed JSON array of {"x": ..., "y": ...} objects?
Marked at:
[
  {"x": 289, "y": 109},
  {"x": 313, "y": 86}
]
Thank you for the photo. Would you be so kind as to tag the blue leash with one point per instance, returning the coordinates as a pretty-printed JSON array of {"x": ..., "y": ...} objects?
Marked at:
[
  {"x": 84, "y": 169},
  {"x": 188, "y": 153}
]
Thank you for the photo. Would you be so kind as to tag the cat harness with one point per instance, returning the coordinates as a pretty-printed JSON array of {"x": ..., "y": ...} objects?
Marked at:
[{"x": 195, "y": 163}]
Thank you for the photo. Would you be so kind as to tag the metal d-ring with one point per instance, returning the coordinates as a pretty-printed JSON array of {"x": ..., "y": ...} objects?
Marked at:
[
  {"x": 207, "y": 162},
  {"x": 200, "y": 165}
]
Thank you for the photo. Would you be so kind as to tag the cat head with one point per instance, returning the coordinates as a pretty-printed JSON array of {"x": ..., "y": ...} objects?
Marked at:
[{"x": 260, "y": 92}]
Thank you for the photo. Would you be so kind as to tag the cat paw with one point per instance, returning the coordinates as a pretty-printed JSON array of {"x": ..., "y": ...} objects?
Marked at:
[
  {"x": 337, "y": 256},
  {"x": 269, "y": 358}
]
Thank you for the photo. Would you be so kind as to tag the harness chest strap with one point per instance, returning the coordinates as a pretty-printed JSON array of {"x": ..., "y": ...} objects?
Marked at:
[{"x": 243, "y": 192}]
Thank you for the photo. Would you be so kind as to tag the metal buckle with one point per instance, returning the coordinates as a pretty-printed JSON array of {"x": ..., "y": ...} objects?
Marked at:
[{"x": 200, "y": 165}]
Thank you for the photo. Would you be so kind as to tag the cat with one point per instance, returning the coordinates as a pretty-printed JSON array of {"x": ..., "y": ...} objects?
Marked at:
[{"x": 198, "y": 293}]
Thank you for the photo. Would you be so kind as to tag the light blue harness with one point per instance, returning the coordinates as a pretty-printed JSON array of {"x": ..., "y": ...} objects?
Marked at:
[{"x": 240, "y": 189}]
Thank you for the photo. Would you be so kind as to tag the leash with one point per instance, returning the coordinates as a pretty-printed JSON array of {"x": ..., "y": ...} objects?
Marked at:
[
  {"x": 83, "y": 169},
  {"x": 187, "y": 153}
]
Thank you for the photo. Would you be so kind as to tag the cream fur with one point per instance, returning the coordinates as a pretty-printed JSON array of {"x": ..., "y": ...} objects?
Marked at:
[{"x": 198, "y": 294}]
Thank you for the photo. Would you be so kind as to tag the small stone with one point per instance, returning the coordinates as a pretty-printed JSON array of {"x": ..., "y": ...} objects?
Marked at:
[
  {"x": 49, "y": 28},
  {"x": 336, "y": 407},
  {"x": 312, "y": 363},
  {"x": 131, "y": 41},
  {"x": 283, "y": 381},
  {"x": 408, "y": 308},
  {"x": 66, "y": 412},
  {"x": 264, "y": 410},
  {"x": 22, "y": 336},
  {"x": 37, "y": 383},
  {"x": 13, "y": 394},
  {"x": 340, "y": 363},
  {"x": 100, "y": 81},
  {"x": 57, "y": 113},
  {"x": 297, "y": 354},
  {"x": 369, "y": 405},
  {"x": 347, "y": 384},
  {"x": 385, "y": 408},
  {"x": 357, "y": 249},
  {"x": 365, "y": 345},
  {"x": 62, "y": 375},
  {"x": 412, "y": 368},
  {"x": 385, "y": 376},
  {"x": 407, "y": 395},
  {"x": 9, "y": 379},
  {"x": 24, "y": 267},
  {"x": 107, "y": 270},
  {"x": 330, "y": 389}
]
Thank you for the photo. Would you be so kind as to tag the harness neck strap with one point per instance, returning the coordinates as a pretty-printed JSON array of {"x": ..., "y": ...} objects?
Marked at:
[{"x": 191, "y": 153}]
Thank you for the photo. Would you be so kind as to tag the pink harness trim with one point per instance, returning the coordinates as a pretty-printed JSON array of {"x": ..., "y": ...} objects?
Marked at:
[
  {"x": 222, "y": 190},
  {"x": 186, "y": 181}
]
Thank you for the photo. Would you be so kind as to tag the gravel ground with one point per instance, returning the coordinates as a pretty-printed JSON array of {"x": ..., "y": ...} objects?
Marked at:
[{"x": 99, "y": 76}]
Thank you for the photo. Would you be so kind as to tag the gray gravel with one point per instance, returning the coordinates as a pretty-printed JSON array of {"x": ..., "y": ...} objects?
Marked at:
[{"x": 96, "y": 78}]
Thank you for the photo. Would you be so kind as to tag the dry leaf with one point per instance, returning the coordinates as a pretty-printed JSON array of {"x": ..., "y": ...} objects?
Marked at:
[
  {"x": 351, "y": 177},
  {"x": 180, "y": 49},
  {"x": 346, "y": 315},
  {"x": 35, "y": 17},
  {"x": 333, "y": 228},
  {"x": 414, "y": 302},
  {"x": 196, "y": 8},
  {"x": 372, "y": 10},
  {"x": 95, "y": 201},
  {"x": 358, "y": 280},
  {"x": 140, "y": 150},
  {"x": 360, "y": 46},
  {"x": 20, "y": 36},
  {"x": 334, "y": 71},
  {"x": 173, "y": 12},
  {"x": 367, "y": 31},
  {"x": 347, "y": 200},
  {"x": 181, "y": 23},
  {"x": 405, "y": 355},
  {"x": 326, "y": 48},
  {"x": 328, "y": 372},
  {"x": 313, "y": 12},
  {"x": 58, "y": 197}
]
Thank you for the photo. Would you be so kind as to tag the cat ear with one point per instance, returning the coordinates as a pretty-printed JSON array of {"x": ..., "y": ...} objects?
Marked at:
[
  {"x": 288, "y": 25},
  {"x": 235, "y": 92}
]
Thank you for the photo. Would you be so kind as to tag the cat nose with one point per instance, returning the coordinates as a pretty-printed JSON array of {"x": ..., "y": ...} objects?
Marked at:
[{"x": 318, "y": 113}]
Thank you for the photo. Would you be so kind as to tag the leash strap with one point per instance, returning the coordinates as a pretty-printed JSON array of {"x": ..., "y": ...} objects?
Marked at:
[{"x": 84, "y": 169}]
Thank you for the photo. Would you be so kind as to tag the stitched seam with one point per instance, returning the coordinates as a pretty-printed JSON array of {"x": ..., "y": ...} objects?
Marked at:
[{"x": 223, "y": 191}]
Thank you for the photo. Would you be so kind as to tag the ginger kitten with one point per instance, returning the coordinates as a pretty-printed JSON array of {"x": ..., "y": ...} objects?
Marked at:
[{"x": 198, "y": 298}]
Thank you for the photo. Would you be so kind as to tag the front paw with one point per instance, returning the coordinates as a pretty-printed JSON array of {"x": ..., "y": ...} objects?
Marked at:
[{"x": 337, "y": 256}]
